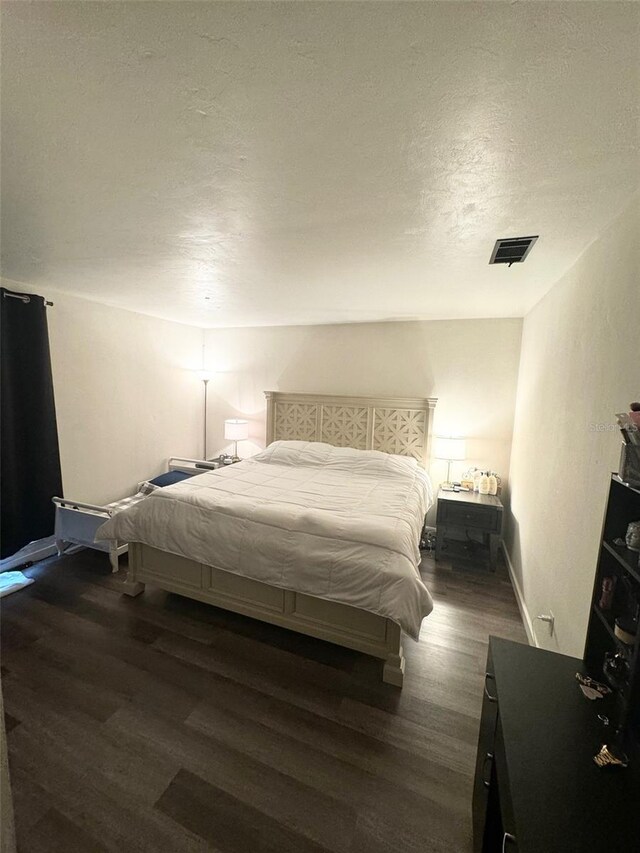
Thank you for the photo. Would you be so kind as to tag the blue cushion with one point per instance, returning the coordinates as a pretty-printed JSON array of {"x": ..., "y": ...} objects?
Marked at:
[{"x": 170, "y": 478}]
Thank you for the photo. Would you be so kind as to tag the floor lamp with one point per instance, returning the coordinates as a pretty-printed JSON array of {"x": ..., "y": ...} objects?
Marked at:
[{"x": 204, "y": 377}]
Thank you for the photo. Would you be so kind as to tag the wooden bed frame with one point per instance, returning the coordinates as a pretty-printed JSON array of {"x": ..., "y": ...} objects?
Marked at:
[{"x": 389, "y": 424}]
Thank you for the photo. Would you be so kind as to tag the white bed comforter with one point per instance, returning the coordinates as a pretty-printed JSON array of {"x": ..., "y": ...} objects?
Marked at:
[{"x": 331, "y": 522}]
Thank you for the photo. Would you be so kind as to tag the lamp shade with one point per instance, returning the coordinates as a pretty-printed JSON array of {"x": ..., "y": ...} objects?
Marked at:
[
  {"x": 236, "y": 429},
  {"x": 451, "y": 449}
]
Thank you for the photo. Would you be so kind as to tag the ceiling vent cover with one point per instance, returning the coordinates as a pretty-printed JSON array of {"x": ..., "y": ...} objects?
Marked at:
[{"x": 512, "y": 250}]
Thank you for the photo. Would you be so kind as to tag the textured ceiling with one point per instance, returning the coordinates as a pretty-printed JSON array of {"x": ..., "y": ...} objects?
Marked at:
[{"x": 266, "y": 163}]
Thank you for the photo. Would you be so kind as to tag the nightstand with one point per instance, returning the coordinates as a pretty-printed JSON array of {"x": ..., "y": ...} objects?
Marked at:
[{"x": 460, "y": 513}]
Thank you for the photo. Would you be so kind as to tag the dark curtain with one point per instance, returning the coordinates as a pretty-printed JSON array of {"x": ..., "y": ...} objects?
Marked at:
[{"x": 30, "y": 473}]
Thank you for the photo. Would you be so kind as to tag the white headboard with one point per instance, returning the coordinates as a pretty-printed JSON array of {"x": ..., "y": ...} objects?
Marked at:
[{"x": 399, "y": 425}]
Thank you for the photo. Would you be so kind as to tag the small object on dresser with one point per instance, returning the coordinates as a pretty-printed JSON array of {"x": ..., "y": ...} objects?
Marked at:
[
  {"x": 632, "y": 539},
  {"x": 616, "y": 668},
  {"x": 483, "y": 485},
  {"x": 608, "y": 589},
  {"x": 634, "y": 414},
  {"x": 629, "y": 465},
  {"x": 591, "y": 688},
  {"x": 629, "y": 427},
  {"x": 626, "y": 628},
  {"x": 493, "y": 484},
  {"x": 611, "y": 756}
]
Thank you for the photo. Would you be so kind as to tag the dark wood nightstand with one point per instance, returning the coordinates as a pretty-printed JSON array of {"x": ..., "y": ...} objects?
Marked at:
[{"x": 462, "y": 512}]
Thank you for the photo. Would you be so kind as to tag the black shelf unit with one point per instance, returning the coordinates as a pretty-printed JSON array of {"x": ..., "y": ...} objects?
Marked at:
[
  {"x": 619, "y": 562},
  {"x": 627, "y": 558}
]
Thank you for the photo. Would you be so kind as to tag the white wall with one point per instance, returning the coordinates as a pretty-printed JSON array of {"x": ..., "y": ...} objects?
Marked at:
[
  {"x": 580, "y": 364},
  {"x": 126, "y": 395},
  {"x": 470, "y": 365}
]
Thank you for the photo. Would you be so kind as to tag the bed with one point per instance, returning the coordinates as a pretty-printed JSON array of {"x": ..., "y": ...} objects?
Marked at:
[{"x": 318, "y": 533}]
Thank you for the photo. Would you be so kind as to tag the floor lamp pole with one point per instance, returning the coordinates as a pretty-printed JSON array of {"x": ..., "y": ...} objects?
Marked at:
[{"x": 206, "y": 382}]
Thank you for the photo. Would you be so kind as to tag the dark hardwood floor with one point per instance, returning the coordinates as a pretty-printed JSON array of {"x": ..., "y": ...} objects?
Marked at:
[{"x": 161, "y": 724}]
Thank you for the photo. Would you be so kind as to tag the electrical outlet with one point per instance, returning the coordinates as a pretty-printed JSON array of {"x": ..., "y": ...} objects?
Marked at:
[
  {"x": 549, "y": 619},
  {"x": 552, "y": 624}
]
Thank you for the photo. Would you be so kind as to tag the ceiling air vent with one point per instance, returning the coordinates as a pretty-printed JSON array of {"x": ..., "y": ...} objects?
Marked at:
[{"x": 512, "y": 251}]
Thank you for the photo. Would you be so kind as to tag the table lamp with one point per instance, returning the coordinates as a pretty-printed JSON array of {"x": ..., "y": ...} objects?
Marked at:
[
  {"x": 451, "y": 450},
  {"x": 236, "y": 430}
]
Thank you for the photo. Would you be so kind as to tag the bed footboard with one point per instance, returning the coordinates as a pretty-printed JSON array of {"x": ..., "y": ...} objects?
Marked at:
[{"x": 328, "y": 620}]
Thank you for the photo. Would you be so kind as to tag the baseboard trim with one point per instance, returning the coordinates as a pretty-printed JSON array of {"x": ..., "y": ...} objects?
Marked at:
[{"x": 522, "y": 607}]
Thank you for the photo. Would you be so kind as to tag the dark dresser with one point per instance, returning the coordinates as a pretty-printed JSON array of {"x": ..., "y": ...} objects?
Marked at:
[{"x": 536, "y": 788}]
